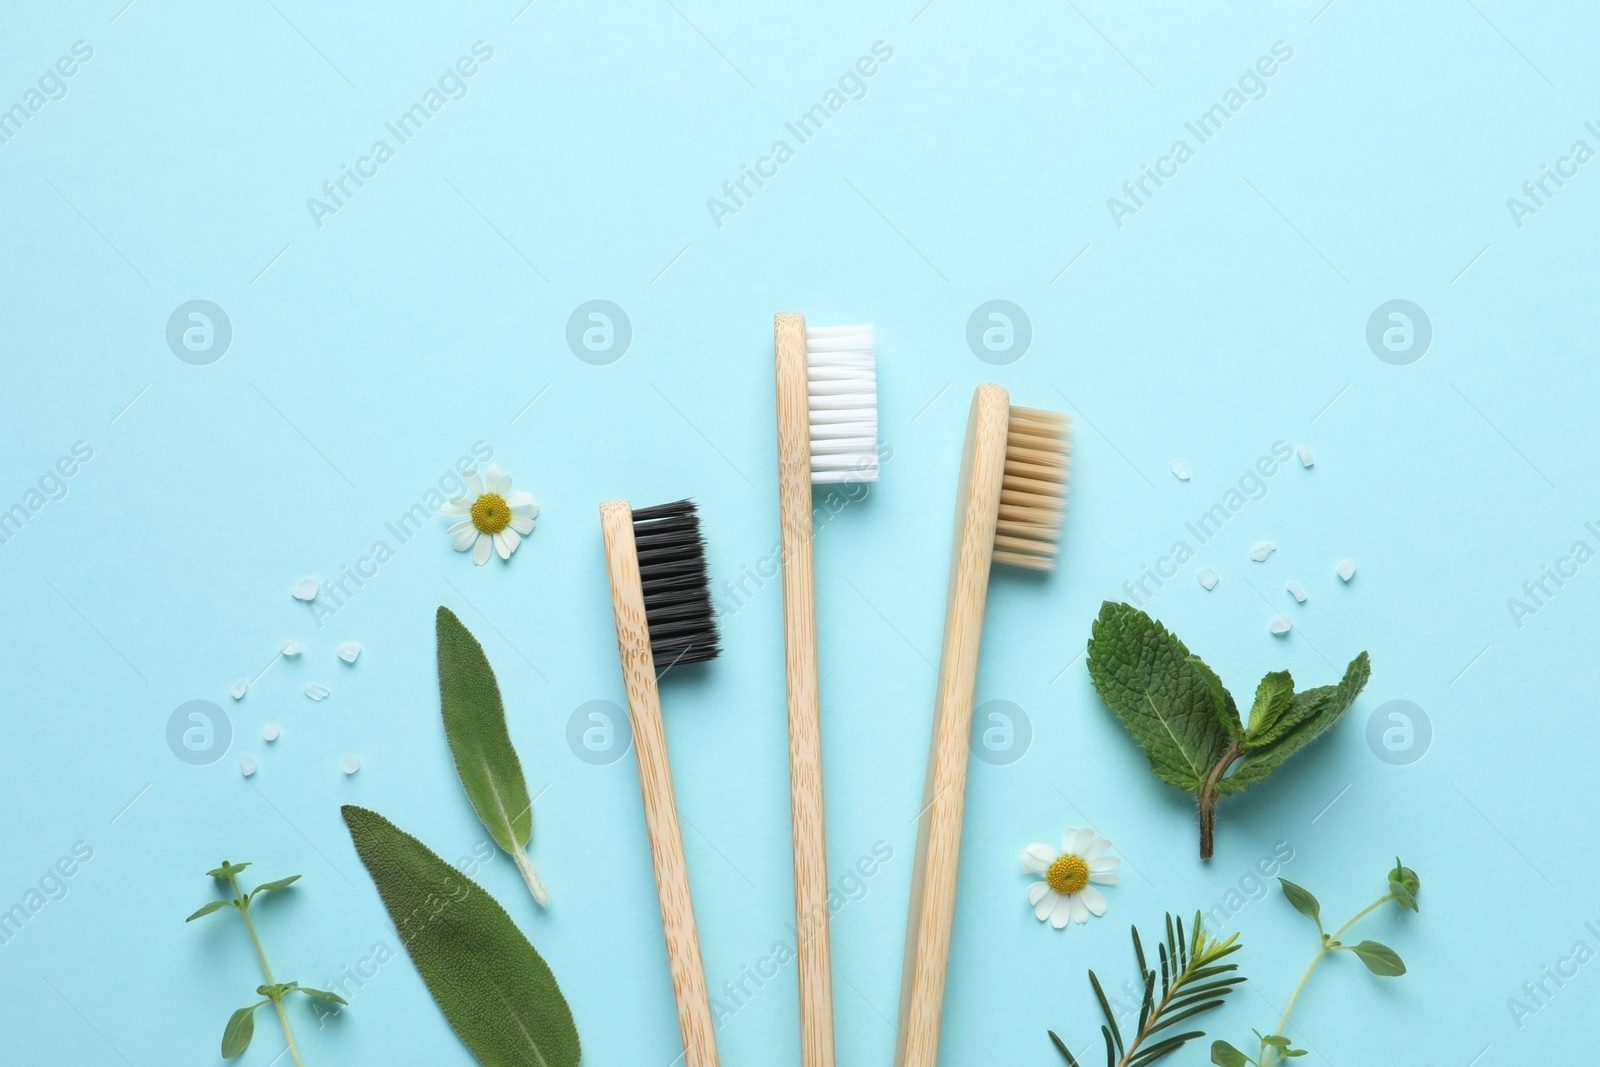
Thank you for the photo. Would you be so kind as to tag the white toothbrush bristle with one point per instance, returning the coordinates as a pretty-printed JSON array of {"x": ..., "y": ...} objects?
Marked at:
[{"x": 842, "y": 403}]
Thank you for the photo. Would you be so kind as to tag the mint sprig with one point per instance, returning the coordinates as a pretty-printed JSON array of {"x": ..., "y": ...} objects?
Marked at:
[
  {"x": 1188, "y": 724},
  {"x": 241, "y": 1028}
]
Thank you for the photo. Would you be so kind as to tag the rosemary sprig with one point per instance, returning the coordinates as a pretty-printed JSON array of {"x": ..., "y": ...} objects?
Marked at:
[{"x": 1193, "y": 981}]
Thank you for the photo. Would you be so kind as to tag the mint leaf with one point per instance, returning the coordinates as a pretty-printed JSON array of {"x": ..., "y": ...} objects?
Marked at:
[
  {"x": 1303, "y": 900},
  {"x": 1380, "y": 959},
  {"x": 1274, "y": 696},
  {"x": 240, "y": 1029},
  {"x": 268, "y": 887},
  {"x": 1221, "y": 700},
  {"x": 215, "y": 905},
  {"x": 1310, "y": 715},
  {"x": 1225, "y": 1055},
  {"x": 1149, "y": 679}
]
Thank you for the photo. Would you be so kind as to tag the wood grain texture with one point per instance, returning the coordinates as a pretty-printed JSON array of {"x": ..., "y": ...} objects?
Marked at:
[
  {"x": 805, "y": 723},
  {"x": 655, "y": 783},
  {"x": 933, "y": 886}
]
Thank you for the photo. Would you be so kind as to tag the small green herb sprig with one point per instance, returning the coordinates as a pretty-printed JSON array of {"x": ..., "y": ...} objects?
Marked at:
[
  {"x": 1379, "y": 958},
  {"x": 241, "y": 1024},
  {"x": 1189, "y": 726},
  {"x": 1193, "y": 981}
]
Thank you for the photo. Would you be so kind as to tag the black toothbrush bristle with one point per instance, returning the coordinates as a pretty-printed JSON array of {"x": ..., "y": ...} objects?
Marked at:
[{"x": 677, "y": 588}]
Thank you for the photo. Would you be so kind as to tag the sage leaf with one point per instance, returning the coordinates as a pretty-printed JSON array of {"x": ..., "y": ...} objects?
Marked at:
[
  {"x": 1303, "y": 900},
  {"x": 1274, "y": 696},
  {"x": 475, "y": 726},
  {"x": 493, "y": 987},
  {"x": 207, "y": 909},
  {"x": 237, "y": 1034},
  {"x": 1380, "y": 958},
  {"x": 1309, "y": 716},
  {"x": 321, "y": 994},
  {"x": 1148, "y": 678}
]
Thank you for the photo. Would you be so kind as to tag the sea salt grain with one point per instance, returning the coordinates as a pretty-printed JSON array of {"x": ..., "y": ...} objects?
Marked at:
[
  {"x": 349, "y": 651},
  {"x": 1296, "y": 591},
  {"x": 1281, "y": 625},
  {"x": 247, "y": 766},
  {"x": 1306, "y": 459},
  {"x": 239, "y": 690},
  {"x": 1261, "y": 550},
  {"x": 271, "y": 732},
  {"x": 1180, "y": 470},
  {"x": 315, "y": 691},
  {"x": 1207, "y": 576},
  {"x": 305, "y": 589},
  {"x": 1347, "y": 570},
  {"x": 351, "y": 765}
]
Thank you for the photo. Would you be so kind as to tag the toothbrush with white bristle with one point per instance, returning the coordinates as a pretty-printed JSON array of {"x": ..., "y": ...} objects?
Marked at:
[{"x": 827, "y": 407}]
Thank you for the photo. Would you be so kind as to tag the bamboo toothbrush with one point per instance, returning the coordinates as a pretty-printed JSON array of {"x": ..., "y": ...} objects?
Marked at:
[
  {"x": 827, "y": 432},
  {"x": 1009, "y": 504},
  {"x": 662, "y": 601}
]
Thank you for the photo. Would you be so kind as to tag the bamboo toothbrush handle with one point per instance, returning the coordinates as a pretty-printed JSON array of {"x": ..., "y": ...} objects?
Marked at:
[
  {"x": 933, "y": 886},
  {"x": 805, "y": 725},
  {"x": 655, "y": 783}
]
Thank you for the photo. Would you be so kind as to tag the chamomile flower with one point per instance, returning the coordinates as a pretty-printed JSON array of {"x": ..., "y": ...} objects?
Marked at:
[
  {"x": 490, "y": 517},
  {"x": 1065, "y": 894}
]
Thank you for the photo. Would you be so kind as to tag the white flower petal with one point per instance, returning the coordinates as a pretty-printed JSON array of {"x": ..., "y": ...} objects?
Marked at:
[
  {"x": 474, "y": 483},
  {"x": 522, "y": 500},
  {"x": 481, "y": 549},
  {"x": 1046, "y": 904},
  {"x": 1096, "y": 849},
  {"x": 1080, "y": 910},
  {"x": 1092, "y": 900},
  {"x": 1105, "y": 863},
  {"x": 463, "y": 535},
  {"x": 456, "y": 508},
  {"x": 522, "y": 524},
  {"x": 495, "y": 480},
  {"x": 1036, "y": 892},
  {"x": 1081, "y": 840},
  {"x": 1038, "y": 858},
  {"x": 1062, "y": 912},
  {"x": 1105, "y": 879}
]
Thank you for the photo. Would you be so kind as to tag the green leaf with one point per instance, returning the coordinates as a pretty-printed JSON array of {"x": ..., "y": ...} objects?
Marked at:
[
  {"x": 227, "y": 870},
  {"x": 215, "y": 905},
  {"x": 1274, "y": 696},
  {"x": 1148, "y": 678},
  {"x": 1221, "y": 700},
  {"x": 268, "y": 887},
  {"x": 1380, "y": 959},
  {"x": 320, "y": 994},
  {"x": 240, "y": 1029},
  {"x": 1404, "y": 884},
  {"x": 1303, "y": 900},
  {"x": 493, "y": 987},
  {"x": 1309, "y": 716},
  {"x": 475, "y": 725},
  {"x": 1225, "y": 1055},
  {"x": 1061, "y": 1047}
]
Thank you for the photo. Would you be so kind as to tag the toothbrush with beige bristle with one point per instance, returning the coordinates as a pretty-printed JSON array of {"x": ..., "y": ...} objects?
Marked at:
[
  {"x": 827, "y": 408},
  {"x": 1009, "y": 505}
]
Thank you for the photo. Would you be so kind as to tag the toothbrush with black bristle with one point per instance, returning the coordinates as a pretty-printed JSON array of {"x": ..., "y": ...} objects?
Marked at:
[
  {"x": 661, "y": 596},
  {"x": 827, "y": 416},
  {"x": 1010, "y": 499}
]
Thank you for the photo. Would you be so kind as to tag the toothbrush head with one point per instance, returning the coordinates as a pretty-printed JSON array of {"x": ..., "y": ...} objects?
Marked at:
[
  {"x": 1033, "y": 495},
  {"x": 842, "y": 404},
  {"x": 677, "y": 589}
]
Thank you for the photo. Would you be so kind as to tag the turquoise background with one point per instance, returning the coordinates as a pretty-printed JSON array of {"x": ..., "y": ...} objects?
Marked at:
[{"x": 430, "y": 311}]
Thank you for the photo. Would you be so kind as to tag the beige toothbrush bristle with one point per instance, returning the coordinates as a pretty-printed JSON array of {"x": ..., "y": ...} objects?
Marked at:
[{"x": 1033, "y": 495}]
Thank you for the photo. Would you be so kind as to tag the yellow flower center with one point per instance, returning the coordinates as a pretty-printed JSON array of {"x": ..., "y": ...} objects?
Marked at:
[
  {"x": 1068, "y": 874},
  {"x": 491, "y": 513}
]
